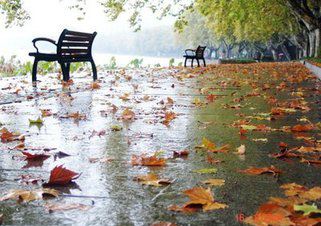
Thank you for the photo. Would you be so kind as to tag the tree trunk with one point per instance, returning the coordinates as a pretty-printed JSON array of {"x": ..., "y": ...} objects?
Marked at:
[
  {"x": 317, "y": 42},
  {"x": 274, "y": 54},
  {"x": 286, "y": 52},
  {"x": 312, "y": 44}
]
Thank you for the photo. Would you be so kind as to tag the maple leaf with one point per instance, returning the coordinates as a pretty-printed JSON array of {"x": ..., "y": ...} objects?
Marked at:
[
  {"x": 211, "y": 97},
  {"x": 152, "y": 179},
  {"x": 257, "y": 171},
  {"x": 94, "y": 85},
  {"x": 144, "y": 160},
  {"x": 128, "y": 114},
  {"x": 200, "y": 198},
  {"x": 27, "y": 196},
  {"x": 38, "y": 121},
  {"x": 30, "y": 156},
  {"x": 46, "y": 112},
  {"x": 75, "y": 116},
  {"x": 61, "y": 176},
  {"x": 7, "y": 136},
  {"x": 168, "y": 117}
]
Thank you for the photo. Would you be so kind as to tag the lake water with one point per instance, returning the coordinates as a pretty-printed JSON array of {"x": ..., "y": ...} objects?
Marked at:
[{"x": 105, "y": 58}]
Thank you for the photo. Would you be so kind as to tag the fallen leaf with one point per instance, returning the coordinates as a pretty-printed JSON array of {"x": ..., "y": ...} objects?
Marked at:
[
  {"x": 214, "y": 182},
  {"x": 307, "y": 209},
  {"x": 30, "y": 156},
  {"x": 205, "y": 171},
  {"x": 183, "y": 153},
  {"x": 38, "y": 121},
  {"x": 152, "y": 179},
  {"x": 55, "y": 207},
  {"x": 257, "y": 171},
  {"x": 163, "y": 223},
  {"x": 200, "y": 198},
  {"x": 128, "y": 114},
  {"x": 144, "y": 160},
  {"x": 27, "y": 196},
  {"x": 61, "y": 176}
]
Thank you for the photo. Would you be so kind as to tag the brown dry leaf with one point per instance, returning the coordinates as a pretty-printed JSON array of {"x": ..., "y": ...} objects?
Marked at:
[
  {"x": 143, "y": 160},
  {"x": 200, "y": 198},
  {"x": 214, "y": 182},
  {"x": 257, "y": 171},
  {"x": 54, "y": 207},
  {"x": 223, "y": 149},
  {"x": 27, "y": 196},
  {"x": 312, "y": 194},
  {"x": 293, "y": 189},
  {"x": 75, "y": 116},
  {"x": 94, "y": 85},
  {"x": 168, "y": 117},
  {"x": 152, "y": 179},
  {"x": 7, "y": 136},
  {"x": 128, "y": 114}
]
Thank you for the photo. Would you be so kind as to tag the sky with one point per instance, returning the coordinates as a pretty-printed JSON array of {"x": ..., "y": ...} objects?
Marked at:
[{"x": 50, "y": 17}]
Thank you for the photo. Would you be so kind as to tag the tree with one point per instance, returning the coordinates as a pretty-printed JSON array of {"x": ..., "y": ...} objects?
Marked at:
[
  {"x": 196, "y": 32},
  {"x": 13, "y": 12}
]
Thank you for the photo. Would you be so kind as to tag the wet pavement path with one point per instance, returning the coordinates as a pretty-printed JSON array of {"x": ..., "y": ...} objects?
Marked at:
[{"x": 208, "y": 103}]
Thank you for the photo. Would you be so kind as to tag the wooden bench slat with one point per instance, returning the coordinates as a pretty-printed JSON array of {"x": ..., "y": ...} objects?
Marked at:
[
  {"x": 74, "y": 51},
  {"x": 77, "y": 33},
  {"x": 75, "y": 44},
  {"x": 74, "y": 38}
]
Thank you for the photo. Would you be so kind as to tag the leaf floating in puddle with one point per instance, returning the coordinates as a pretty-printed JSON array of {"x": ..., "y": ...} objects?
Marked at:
[
  {"x": 38, "y": 121},
  {"x": 56, "y": 207},
  {"x": 152, "y": 179},
  {"x": 200, "y": 198},
  {"x": 128, "y": 115},
  {"x": 28, "y": 196},
  {"x": 61, "y": 176},
  {"x": 30, "y": 156},
  {"x": 144, "y": 160},
  {"x": 7, "y": 136}
]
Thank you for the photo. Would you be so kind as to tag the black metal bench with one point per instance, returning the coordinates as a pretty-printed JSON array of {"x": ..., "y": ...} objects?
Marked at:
[
  {"x": 72, "y": 46},
  {"x": 197, "y": 55}
]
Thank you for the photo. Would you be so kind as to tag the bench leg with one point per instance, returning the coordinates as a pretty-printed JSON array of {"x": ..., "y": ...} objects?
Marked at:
[
  {"x": 192, "y": 62},
  {"x": 198, "y": 62},
  {"x": 34, "y": 70},
  {"x": 63, "y": 70},
  {"x": 204, "y": 62},
  {"x": 185, "y": 62},
  {"x": 93, "y": 65},
  {"x": 67, "y": 71}
]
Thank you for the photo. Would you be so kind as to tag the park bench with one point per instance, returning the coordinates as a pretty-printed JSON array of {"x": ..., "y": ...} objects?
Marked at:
[
  {"x": 197, "y": 55},
  {"x": 72, "y": 46}
]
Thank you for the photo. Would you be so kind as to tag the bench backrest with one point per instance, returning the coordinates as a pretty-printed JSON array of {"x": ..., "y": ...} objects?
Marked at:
[
  {"x": 74, "y": 44},
  {"x": 200, "y": 51}
]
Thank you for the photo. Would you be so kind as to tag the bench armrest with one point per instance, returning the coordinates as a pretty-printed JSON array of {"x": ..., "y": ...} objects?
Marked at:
[
  {"x": 42, "y": 39},
  {"x": 190, "y": 50}
]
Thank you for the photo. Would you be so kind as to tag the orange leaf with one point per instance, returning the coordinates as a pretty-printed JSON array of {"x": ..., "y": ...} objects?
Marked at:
[
  {"x": 144, "y": 160},
  {"x": 302, "y": 128},
  {"x": 257, "y": 171}
]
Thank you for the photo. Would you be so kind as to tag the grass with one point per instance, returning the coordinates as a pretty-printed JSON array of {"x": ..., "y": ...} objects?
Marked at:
[{"x": 237, "y": 61}]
